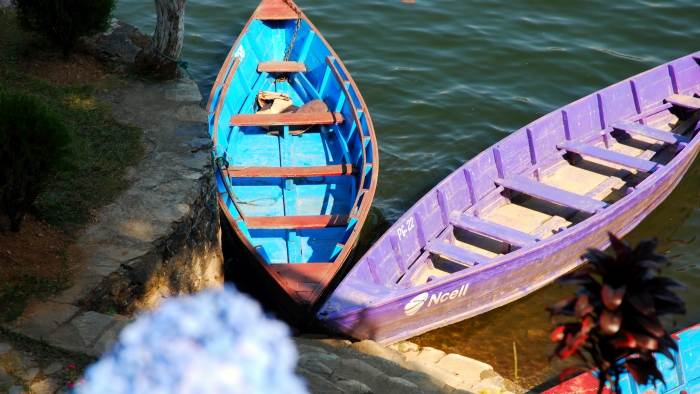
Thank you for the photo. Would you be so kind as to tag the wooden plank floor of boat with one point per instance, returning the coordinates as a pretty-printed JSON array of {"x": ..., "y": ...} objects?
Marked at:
[{"x": 594, "y": 178}]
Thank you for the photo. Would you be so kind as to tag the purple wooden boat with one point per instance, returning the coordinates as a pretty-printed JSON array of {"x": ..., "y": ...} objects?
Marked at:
[{"x": 519, "y": 215}]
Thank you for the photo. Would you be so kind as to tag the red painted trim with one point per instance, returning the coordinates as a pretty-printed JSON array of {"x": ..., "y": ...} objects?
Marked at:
[
  {"x": 274, "y": 10},
  {"x": 291, "y": 119},
  {"x": 296, "y": 222},
  {"x": 282, "y": 67},
  {"x": 290, "y": 172}
]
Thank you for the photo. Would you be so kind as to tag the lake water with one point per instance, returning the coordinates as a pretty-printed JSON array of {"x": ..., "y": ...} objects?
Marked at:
[{"x": 445, "y": 79}]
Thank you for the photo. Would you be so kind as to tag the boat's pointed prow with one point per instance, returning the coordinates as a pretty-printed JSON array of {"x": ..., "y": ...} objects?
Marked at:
[{"x": 275, "y": 10}]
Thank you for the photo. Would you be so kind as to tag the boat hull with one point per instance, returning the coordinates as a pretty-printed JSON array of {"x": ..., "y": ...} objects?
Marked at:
[
  {"x": 294, "y": 189},
  {"x": 365, "y": 309},
  {"x": 682, "y": 375}
]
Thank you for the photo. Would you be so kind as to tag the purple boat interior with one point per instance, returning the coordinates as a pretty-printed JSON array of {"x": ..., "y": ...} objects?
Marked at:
[{"x": 501, "y": 223}]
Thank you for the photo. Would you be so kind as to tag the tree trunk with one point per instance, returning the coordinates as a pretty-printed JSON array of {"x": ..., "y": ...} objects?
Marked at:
[{"x": 168, "y": 37}]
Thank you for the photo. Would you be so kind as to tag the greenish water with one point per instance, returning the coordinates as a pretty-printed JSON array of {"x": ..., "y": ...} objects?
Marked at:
[{"x": 445, "y": 79}]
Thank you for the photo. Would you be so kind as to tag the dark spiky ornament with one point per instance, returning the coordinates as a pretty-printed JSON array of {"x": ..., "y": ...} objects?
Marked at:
[{"x": 617, "y": 326}]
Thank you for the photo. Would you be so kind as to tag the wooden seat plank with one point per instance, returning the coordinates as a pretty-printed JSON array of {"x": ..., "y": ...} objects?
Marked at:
[
  {"x": 282, "y": 67},
  {"x": 289, "y": 119},
  {"x": 296, "y": 222},
  {"x": 290, "y": 172},
  {"x": 651, "y": 132},
  {"x": 491, "y": 229},
  {"x": 610, "y": 156},
  {"x": 274, "y": 10},
  {"x": 684, "y": 101},
  {"x": 454, "y": 252},
  {"x": 552, "y": 194}
]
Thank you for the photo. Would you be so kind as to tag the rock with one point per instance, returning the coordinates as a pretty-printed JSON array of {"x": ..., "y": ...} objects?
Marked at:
[
  {"x": 110, "y": 337},
  {"x": 42, "y": 319},
  {"x": 191, "y": 113},
  {"x": 26, "y": 359},
  {"x": 184, "y": 89},
  {"x": 488, "y": 373},
  {"x": 317, "y": 384},
  {"x": 374, "y": 349},
  {"x": 429, "y": 355},
  {"x": 330, "y": 360},
  {"x": 484, "y": 386},
  {"x": 29, "y": 374},
  {"x": 387, "y": 366},
  {"x": 358, "y": 370},
  {"x": 53, "y": 368},
  {"x": 5, "y": 378},
  {"x": 317, "y": 368},
  {"x": 5, "y": 347},
  {"x": 449, "y": 377},
  {"x": 406, "y": 347},
  {"x": 468, "y": 369},
  {"x": 116, "y": 45},
  {"x": 91, "y": 325},
  {"x": 47, "y": 386},
  {"x": 354, "y": 387},
  {"x": 16, "y": 390},
  {"x": 425, "y": 382},
  {"x": 336, "y": 343},
  {"x": 496, "y": 381},
  {"x": 310, "y": 349},
  {"x": 313, "y": 343}
]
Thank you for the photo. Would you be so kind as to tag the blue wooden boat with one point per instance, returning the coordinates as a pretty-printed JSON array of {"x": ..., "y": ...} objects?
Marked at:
[
  {"x": 682, "y": 374},
  {"x": 518, "y": 215},
  {"x": 294, "y": 186}
]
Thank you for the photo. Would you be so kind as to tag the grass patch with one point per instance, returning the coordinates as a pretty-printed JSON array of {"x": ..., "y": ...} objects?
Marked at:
[
  {"x": 16, "y": 293},
  {"x": 102, "y": 150},
  {"x": 102, "y": 147}
]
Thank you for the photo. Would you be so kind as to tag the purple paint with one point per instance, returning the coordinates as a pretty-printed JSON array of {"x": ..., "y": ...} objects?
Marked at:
[
  {"x": 531, "y": 145},
  {"x": 482, "y": 283},
  {"x": 610, "y": 156}
]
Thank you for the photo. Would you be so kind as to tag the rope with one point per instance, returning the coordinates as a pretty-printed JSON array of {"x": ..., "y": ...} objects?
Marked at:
[{"x": 182, "y": 63}]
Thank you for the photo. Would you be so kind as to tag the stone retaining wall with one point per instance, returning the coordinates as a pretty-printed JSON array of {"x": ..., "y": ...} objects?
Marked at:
[{"x": 160, "y": 237}]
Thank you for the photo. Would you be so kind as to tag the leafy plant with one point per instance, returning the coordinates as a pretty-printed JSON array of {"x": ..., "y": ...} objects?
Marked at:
[
  {"x": 617, "y": 312},
  {"x": 33, "y": 143},
  {"x": 65, "y": 21}
]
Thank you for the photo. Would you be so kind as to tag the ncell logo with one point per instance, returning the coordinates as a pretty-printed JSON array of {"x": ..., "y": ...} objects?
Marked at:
[{"x": 417, "y": 302}]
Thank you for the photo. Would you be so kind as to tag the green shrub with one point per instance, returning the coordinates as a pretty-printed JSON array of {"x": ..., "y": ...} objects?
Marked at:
[
  {"x": 34, "y": 142},
  {"x": 65, "y": 21}
]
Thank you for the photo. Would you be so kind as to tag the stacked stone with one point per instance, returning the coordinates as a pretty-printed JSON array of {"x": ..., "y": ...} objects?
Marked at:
[
  {"x": 19, "y": 371},
  {"x": 333, "y": 366}
]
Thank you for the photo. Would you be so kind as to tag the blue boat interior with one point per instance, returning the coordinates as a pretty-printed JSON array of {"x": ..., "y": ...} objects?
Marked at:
[{"x": 285, "y": 191}]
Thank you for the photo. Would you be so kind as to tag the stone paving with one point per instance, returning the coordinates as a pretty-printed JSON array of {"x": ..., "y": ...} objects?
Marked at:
[
  {"x": 334, "y": 366},
  {"x": 330, "y": 366},
  {"x": 21, "y": 372}
]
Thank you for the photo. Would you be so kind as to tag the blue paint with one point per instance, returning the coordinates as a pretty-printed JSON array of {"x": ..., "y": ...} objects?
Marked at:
[{"x": 252, "y": 146}]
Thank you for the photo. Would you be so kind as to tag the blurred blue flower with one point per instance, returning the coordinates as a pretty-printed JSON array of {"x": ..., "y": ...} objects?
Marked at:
[{"x": 211, "y": 342}]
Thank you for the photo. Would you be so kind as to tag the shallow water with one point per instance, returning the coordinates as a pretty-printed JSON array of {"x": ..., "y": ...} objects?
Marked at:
[{"x": 444, "y": 79}]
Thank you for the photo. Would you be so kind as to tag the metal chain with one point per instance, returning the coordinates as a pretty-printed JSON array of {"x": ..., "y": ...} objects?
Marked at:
[{"x": 294, "y": 36}]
